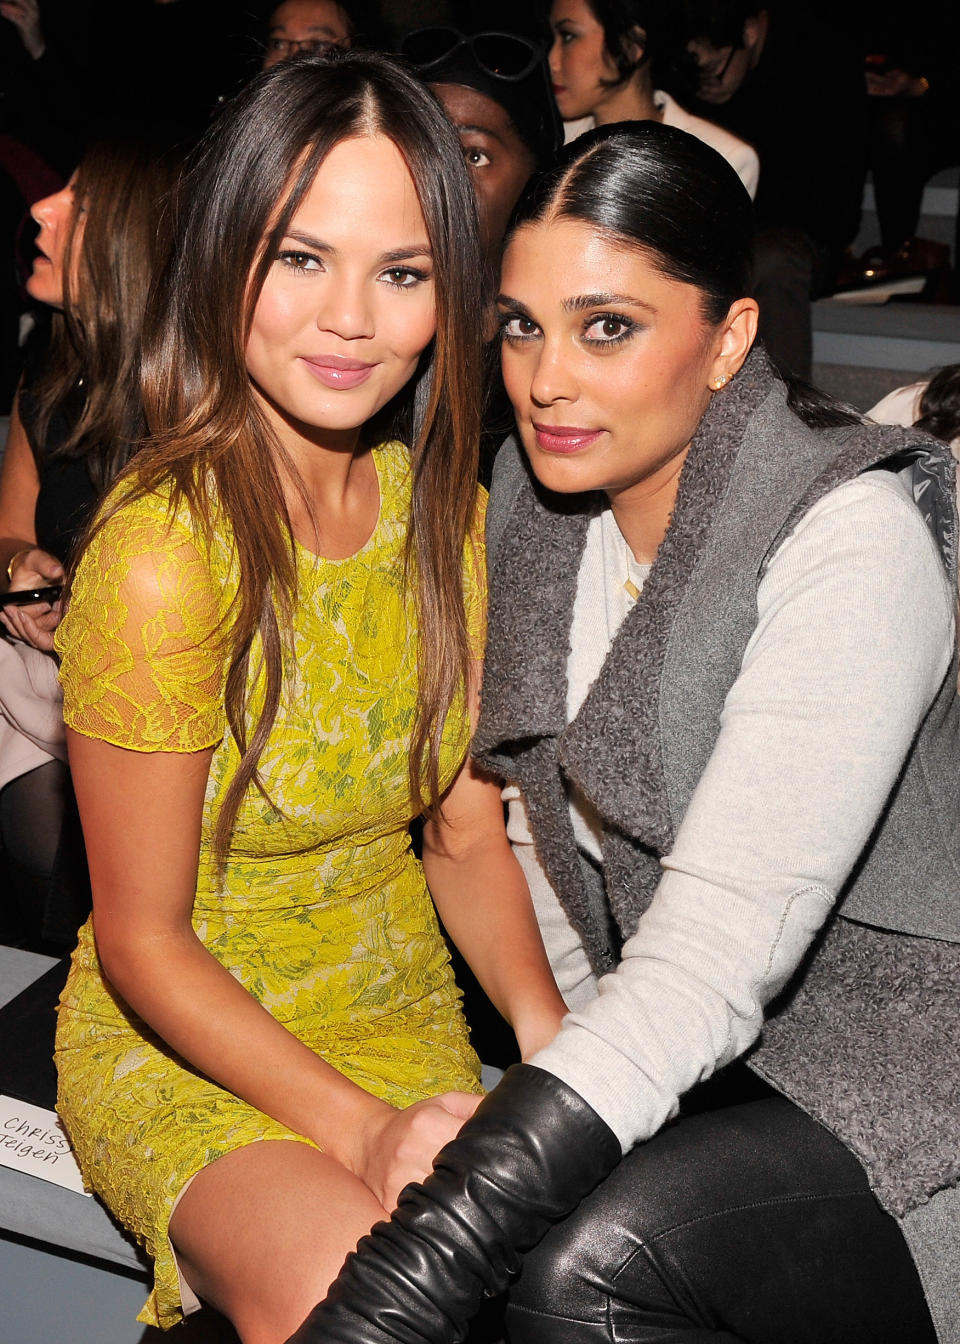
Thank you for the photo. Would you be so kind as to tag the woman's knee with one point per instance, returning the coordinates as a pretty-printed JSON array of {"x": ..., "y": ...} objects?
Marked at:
[{"x": 261, "y": 1232}]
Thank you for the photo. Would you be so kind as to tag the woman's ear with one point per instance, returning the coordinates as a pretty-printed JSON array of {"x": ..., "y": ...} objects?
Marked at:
[{"x": 736, "y": 334}]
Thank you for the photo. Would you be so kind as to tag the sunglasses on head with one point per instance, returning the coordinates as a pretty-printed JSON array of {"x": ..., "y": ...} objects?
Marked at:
[{"x": 506, "y": 56}]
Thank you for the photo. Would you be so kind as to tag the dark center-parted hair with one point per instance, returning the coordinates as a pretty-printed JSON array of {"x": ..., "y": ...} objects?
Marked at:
[
  {"x": 119, "y": 236},
  {"x": 210, "y": 441},
  {"x": 661, "y": 192},
  {"x": 667, "y": 195}
]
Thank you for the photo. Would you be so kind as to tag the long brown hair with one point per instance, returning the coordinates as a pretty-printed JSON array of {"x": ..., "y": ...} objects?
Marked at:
[
  {"x": 119, "y": 235},
  {"x": 209, "y": 440}
]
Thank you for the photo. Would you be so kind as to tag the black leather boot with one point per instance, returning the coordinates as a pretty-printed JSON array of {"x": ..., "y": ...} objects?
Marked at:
[{"x": 526, "y": 1158}]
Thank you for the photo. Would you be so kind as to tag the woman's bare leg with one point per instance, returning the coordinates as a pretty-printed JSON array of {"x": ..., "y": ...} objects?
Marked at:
[{"x": 261, "y": 1233}]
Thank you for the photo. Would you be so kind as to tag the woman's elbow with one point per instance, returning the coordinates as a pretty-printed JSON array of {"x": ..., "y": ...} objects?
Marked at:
[
  {"x": 131, "y": 953},
  {"x": 460, "y": 843}
]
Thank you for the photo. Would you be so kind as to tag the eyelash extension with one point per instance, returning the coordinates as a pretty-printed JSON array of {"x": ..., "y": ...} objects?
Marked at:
[
  {"x": 290, "y": 254},
  {"x": 609, "y": 342},
  {"x": 418, "y": 275},
  {"x": 504, "y": 321}
]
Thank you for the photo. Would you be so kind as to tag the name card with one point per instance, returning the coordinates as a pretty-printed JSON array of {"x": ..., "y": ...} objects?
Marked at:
[{"x": 33, "y": 1140}]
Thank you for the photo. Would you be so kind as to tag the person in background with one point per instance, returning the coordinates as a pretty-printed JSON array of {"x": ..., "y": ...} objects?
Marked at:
[
  {"x": 913, "y": 116},
  {"x": 789, "y": 80},
  {"x": 315, "y": 25},
  {"x": 76, "y": 421},
  {"x": 306, "y": 25},
  {"x": 607, "y": 59},
  {"x": 495, "y": 88},
  {"x": 932, "y": 405},
  {"x": 25, "y": 178}
]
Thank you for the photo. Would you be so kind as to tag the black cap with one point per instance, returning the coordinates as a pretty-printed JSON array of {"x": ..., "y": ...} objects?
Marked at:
[{"x": 528, "y": 100}]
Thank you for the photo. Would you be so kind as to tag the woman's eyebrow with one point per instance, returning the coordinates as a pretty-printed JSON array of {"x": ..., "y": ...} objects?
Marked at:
[
  {"x": 406, "y": 253},
  {"x": 505, "y": 301},
  {"x": 579, "y": 303},
  {"x": 309, "y": 240},
  {"x": 465, "y": 129},
  {"x": 583, "y": 301},
  {"x": 395, "y": 254}
]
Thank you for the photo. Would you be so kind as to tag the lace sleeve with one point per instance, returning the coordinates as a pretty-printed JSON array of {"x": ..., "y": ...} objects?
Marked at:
[{"x": 142, "y": 658}]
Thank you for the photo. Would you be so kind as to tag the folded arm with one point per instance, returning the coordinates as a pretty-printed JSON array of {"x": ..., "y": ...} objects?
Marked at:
[{"x": 853, "y": 641}]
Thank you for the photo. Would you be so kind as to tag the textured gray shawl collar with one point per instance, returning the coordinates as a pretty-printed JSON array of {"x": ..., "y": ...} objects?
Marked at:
[
  {"x": 531, "y": 601},
  {"x": 753, "y": 470}
]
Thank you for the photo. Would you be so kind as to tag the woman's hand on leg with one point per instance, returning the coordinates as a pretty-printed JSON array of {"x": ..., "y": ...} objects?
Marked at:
[
  {"x": 400, "y": 1147},
  {"x": 523, "y": 1162}
]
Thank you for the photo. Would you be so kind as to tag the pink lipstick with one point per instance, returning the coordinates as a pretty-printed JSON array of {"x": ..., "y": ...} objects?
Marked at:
[
  {"x": 337, "y": 371},
  {"x": 564, "y": 438}
]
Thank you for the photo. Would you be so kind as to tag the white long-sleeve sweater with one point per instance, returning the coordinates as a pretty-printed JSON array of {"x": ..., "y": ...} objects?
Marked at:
[{"x": 853, "y": 639}]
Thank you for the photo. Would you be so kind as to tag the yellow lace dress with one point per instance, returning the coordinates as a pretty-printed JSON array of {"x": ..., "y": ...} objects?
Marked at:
[{"x": 341, "y": 942}]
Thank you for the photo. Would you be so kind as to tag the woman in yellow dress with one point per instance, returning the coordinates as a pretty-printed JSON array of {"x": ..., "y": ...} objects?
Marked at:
[{"x": 269, "y": 664}]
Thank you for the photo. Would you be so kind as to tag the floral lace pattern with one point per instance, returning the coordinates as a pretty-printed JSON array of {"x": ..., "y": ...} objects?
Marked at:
[{"x": 340, "y": 940}]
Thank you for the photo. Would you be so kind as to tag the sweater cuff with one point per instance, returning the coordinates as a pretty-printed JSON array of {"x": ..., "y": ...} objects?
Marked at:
[{"x": 615, "y": 1087}]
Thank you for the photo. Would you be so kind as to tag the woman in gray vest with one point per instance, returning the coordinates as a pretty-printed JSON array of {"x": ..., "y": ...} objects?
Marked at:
[{"x": 720, "y": 686}]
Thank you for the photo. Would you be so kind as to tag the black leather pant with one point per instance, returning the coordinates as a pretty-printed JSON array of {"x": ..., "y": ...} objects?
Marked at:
[{"x": 749, "y": 1224}]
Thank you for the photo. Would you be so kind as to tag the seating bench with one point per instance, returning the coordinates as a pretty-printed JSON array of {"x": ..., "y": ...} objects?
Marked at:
[
  {"x": 67, "y": 1271},
  {"x": 69, "y": 1274}
]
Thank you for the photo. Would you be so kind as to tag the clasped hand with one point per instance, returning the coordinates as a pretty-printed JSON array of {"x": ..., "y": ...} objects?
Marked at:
[{"x": 400, "y": 1145}]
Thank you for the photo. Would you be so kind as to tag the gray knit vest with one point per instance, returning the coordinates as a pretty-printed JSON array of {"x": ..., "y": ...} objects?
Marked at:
[{"x": 865, "y": 1037}]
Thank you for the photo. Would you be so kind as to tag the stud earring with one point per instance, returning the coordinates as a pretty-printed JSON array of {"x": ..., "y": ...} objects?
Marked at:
[{"x": 721, "y": 380}]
